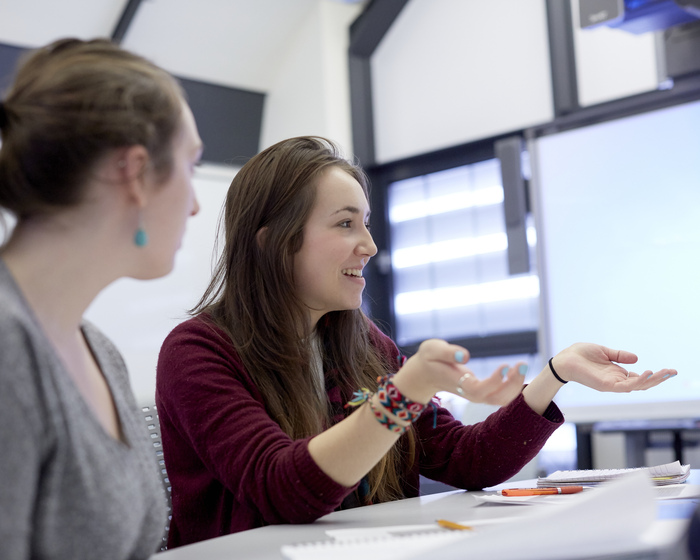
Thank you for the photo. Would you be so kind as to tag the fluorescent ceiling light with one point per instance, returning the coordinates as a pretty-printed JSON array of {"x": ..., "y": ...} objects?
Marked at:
[
  {"x": 447, "y": 203},
  {"x": 520, "y": 287}
]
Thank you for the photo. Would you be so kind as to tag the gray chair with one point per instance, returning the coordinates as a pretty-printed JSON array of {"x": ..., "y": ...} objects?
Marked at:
[{"x": 150, "y": 414}]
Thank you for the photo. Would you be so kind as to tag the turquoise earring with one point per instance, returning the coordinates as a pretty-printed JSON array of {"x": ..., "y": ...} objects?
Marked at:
[{"x": 140, "y": 237}]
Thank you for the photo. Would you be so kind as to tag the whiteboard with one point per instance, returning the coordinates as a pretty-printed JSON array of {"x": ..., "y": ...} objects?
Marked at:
[{"x": 617, "y": 207}]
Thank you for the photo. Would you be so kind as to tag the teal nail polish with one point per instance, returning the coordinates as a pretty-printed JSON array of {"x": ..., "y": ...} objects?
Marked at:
[
  {"x": 649, "y": 376},
  {"x": 504, "y": 371},
  {"x": 459, "y": 356},
  {"x": 522, "y": 370},
  {"x": 666, "y": 376}
]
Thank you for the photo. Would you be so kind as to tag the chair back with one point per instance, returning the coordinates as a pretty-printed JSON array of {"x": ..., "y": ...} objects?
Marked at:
[{"x": 150, "y": 414}]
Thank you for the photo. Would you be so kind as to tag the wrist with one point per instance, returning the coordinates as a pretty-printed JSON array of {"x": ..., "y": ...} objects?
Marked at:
[
  {"x": 556, "y": 372},
  {"x": 412, "y": 387}
]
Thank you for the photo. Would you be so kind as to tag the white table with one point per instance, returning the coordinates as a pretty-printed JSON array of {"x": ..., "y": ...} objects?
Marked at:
[{"x": 265, "y": 543}]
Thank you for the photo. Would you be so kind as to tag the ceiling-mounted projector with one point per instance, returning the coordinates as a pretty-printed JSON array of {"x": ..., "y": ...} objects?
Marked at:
[{"x": 638, "y": 16}]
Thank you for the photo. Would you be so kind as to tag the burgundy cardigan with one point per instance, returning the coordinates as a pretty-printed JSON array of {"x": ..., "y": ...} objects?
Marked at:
[{"x": 233, "y": 468}]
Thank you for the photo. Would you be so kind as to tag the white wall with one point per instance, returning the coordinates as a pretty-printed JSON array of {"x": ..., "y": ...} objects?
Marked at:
[
  {"x": 452, "y": 71},
  {"x": 310, "y": 93},
  {"x": 32, "y": 23}
]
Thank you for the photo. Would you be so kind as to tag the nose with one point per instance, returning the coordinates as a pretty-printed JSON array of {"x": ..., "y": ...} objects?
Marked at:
[
  {"x": 366, "y": 245},
  {"x": 195, "y": 207}
]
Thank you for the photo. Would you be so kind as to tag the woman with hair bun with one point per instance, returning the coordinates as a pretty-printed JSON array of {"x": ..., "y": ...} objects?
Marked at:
[
  {"x": 97, "y": 155},
  {"x": 281, "y": 401}
]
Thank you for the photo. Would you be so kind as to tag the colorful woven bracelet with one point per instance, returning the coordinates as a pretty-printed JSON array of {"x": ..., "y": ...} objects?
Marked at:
[
  {"x": 392, "y": 399},
  {"x": 387, "y": 422},
  {"x": 359, "y": 397}
]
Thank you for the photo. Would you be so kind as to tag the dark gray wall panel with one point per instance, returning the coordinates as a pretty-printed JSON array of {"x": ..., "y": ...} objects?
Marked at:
[
  {"x": 9, "y": 57},
  {"x": 229, "y": 120}
]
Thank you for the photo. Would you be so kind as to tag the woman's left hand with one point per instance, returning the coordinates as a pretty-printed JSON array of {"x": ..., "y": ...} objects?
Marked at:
[{"x": 593, "y": 365}]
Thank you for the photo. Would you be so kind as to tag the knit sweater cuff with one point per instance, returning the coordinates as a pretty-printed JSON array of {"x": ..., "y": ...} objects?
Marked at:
[{"x": 321, "y": 491}]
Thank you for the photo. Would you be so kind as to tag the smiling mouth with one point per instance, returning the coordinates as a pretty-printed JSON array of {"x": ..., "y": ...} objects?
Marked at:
[{"x": 354, "y": 272}]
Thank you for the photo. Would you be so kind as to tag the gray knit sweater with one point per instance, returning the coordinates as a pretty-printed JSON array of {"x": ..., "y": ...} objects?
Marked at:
[{"x": 68, "y": 490}]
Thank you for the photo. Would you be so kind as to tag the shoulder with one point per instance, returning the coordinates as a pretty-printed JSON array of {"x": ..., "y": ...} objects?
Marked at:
[
  {"x": 24, "y": 367},
  {"x": 194, "y": 343},
  {"x": 197, "y": 362},
  {"x": 20, "y": 338},
  {"x": 197, "y": 332}
]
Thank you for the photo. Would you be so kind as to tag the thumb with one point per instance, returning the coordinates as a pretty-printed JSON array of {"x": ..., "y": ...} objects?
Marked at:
[{"x": 621, "y": 356}]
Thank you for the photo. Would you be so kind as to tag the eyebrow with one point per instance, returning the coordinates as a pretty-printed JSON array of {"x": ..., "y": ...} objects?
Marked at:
[{"x": 351, "y": 209}]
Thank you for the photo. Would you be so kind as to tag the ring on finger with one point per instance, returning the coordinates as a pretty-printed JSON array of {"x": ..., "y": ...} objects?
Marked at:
[{"x": 460, "y": 391}]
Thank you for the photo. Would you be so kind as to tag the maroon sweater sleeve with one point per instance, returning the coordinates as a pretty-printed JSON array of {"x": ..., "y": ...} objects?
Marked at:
[
  {"x": 487, "y": 453},
  {"x": 478, "y": 455},
  {"x": 230, "y": 465}
]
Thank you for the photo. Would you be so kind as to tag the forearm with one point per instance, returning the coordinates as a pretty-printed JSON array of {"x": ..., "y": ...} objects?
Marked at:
[
  {"x": 347, "y": 451},
  {"x": 486, "y": 453},
  {"x": 541, "y": 390}
]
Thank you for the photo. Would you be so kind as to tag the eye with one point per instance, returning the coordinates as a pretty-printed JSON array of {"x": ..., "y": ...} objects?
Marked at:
[{"x": 345, "y": 223}]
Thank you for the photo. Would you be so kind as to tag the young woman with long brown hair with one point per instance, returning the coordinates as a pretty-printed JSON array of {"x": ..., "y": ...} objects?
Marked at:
[
  {"x": 253, "y": 390},
  {"x": 98, "y": 148}
]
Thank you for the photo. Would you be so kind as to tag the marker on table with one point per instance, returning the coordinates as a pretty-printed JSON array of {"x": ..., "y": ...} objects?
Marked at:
[{"x": 541, "y": 491}]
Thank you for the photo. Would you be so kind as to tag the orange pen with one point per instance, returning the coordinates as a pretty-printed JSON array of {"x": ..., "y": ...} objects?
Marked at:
[{"x": 541, "y": 491}]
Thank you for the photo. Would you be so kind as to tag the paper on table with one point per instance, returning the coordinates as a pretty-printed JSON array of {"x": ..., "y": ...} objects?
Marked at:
[
  {"x": 611, "y": 520},
  {"x": 677, "y": 491},
  {"x": 403, "y": 530},
  {"x": 670, "y": 473},
  {"x": 526, "y": 500}
]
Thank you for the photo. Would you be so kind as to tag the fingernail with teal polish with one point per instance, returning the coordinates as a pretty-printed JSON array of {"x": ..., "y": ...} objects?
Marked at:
[
  {"x": 666, "y": 376},
  {"x": 504, "y": 371},
  {"x": 649, "y": 376},
  {"x": 459, "y": 356},
  {"x": 522, "y": 370}
]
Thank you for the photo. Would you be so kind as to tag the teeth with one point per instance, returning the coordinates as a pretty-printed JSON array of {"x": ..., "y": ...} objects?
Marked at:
[{"x": 352, "y": 272}]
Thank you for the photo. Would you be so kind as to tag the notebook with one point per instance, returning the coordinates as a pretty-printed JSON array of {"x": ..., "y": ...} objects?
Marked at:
[
  {"x": 670, "y": 473},
  {"x": 387, "y": 547}
]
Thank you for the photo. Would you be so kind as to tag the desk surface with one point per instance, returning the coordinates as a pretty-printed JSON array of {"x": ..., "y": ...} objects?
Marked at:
[{"x": 265, "y": 543}]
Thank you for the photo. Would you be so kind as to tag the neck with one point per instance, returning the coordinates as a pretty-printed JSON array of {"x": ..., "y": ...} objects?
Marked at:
[{"x": 60, "y": 271}]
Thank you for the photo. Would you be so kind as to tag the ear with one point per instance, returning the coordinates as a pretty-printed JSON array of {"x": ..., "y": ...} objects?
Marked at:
[
  {"x": 260, "y": 237},
  {"x": 129, "y": 166}
]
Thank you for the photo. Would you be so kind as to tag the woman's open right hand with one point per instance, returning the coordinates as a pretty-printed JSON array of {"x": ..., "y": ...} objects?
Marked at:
[{"x": 440, "y": 366}]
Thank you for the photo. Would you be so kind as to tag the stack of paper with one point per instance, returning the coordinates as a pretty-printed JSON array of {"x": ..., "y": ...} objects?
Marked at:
[{"x": 670, "y": 473}]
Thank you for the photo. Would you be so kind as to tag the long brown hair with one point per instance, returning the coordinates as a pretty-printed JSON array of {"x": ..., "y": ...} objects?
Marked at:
[{"x": 252, "y": 298}]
